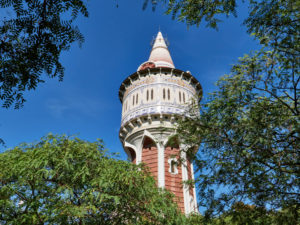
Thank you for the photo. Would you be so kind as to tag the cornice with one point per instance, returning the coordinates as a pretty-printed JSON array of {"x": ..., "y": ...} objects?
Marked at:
[{"x": 157, "y": 71}]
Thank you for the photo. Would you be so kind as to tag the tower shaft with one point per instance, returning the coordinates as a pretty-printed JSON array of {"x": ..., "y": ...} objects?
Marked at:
[{"x": 153, "y": 99}]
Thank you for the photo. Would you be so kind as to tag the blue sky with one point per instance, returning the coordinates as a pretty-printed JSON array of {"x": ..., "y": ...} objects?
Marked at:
[{"x": 117, "y": 41}]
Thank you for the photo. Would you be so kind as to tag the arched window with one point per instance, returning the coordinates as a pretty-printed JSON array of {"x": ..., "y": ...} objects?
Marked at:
[
  {"x": 151, "y": 94},
  {"x": 147, "y": 95},
  {"x": 183, "y": 95},
  {"x": 137, "y": 98},
  {"x": 168, "y": 94},
  {"x": 179, "y": 96},
  {"x": 173, "y": 142},
  {"x": 164, "y": 93},
  {"x": 132, "y": 155},
  {"x": 148, "y": 143},
  {"x": 133, "y": 100}
]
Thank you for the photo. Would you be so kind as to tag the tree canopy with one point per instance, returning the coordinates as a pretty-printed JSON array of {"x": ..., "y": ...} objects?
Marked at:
[
  {"x": 62, "y": 180},
  {"x": 248, "y": 130},
  {"x": 33, "y": 34}
]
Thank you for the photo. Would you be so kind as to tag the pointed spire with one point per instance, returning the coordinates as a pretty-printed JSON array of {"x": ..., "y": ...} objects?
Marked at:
[{"x": 160, "y": 54}]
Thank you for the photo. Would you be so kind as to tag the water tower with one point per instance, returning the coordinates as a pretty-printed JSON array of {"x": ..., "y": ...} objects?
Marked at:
[{"x": 153, "y": 98}]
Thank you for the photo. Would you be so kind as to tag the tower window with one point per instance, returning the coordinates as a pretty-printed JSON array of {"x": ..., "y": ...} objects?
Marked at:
[
  {"x": 179, "y": 96},
  {"x": 151, "y": 94},
  {"x": 133, "y": 100},
  {"x": 164, "y": 93},
  {"x": 147, "y": 97},
  {"x": 173, "y": 169},
  {"x": 173, "y": 165},
  {"x": 137, "y": 98},
  {"x": 168, "y": 94},
  {"x": 183, "y": 95}
]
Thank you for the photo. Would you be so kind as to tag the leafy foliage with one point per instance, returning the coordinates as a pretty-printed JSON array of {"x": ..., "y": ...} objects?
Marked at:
[
  {"x": 248, "y": 214},
  {"x": 249, "y": 136},
  {"x": 243, "y": 214},
  {"x": 61, "y": 180},
  {"x": 193, "y": 12},
  {"x": 248, "y": 131},
  {"x": 32, "y": 39}
]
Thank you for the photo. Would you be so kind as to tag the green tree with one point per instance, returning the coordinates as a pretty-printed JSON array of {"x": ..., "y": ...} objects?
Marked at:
[
  {"x": 249, "y": 135},
  {"x": 243, "y": 214},
  {"x": 33, "y": 34},
  {"x": 62, "y": 180},
  {"x": 248, "y": 131}
]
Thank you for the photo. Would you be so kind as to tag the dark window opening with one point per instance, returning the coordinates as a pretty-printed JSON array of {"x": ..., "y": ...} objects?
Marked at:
[
  {"x": 179, "y": 96},
  {"x": 148, "y": 143},
  {"x": 147, "y": 95},
  {"x": 173, "y": 166},
  {"x": 173, "y": 142},
  {"x": 132, "y": 155}
]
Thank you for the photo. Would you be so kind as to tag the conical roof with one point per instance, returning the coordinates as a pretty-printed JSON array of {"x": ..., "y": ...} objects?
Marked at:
[
  {"x": 159, "y": 56},
  {"x": 160, "y": 52}
]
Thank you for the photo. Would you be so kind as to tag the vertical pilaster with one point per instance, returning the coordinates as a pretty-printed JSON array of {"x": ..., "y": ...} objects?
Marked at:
[
  {"x": 140, "y": 152},
  {"x": 194, "y": 190},
  {"x": 161, "y": 166},
  {"x": 186, "y": 195}
]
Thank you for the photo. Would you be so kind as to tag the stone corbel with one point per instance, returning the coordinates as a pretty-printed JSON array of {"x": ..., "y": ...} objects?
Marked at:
[
  {"x": 161, "y": 118},
  {"x": 149, "y": 119},
  {"x": 130, "y": 79},
  {"x": 139, "y": 75},
  {"x": 131, "y": 125},
  {"x": 139, "y": 121},
  {"x": 124, "y": 130},
  {"x": 172, "y": 72}
]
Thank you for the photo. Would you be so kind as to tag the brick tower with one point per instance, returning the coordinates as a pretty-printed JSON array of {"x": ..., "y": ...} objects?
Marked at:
[{"x": 153, "y": 98}]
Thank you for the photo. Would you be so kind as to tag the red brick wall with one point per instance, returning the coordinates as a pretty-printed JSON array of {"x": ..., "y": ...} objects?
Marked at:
[
  {"x": 173, "y": 182},
  {"x": 150, "y": 156}
]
